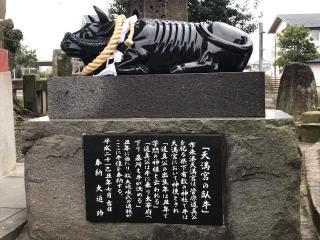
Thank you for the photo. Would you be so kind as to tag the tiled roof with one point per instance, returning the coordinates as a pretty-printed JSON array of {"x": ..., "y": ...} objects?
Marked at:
[
  {"x": 309, "y": 20},
  {"x": 317, "y": 60}
]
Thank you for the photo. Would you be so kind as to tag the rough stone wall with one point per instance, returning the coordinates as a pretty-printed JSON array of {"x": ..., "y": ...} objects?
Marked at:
[{"x": 262, "y": 178}]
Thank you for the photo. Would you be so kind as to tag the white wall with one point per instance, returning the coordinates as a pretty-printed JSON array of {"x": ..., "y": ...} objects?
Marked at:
[
  {"x": 271, "y": 71},
  {"x": 7, "y": 136},
  {"x": 315, "y": 67},
  {"x": 315, "y": 34},
  {"x": 316, "y": 71},
  {"x": 281, "y": 26}
]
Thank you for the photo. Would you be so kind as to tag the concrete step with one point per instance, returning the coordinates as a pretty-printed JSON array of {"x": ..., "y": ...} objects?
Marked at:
[
  {"x": 311, "y": 117},
  {"x": 309, "y": 133},
  {"x": 11, "y": 227},
  {"x": 13, "y": 214},
  {"x": 308, "y": 230},
  {"x": 270, "y": 103},
  {"x": 311, "y": 157}
]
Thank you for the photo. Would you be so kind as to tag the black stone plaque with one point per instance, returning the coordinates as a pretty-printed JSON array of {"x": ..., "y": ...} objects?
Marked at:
[{"x": 159, "y": 178}]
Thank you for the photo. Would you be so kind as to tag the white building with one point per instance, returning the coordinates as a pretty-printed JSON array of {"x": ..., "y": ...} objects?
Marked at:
[{"x": 310, "y": 21}]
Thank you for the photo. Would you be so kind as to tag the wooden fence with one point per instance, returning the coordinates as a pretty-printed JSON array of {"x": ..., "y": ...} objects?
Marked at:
[{"x": 35, "y": 97}]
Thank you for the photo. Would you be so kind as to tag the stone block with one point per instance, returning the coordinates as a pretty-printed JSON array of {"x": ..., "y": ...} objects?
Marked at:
[
  {"x": 7, "y": 136},
  {"x": 309, "y": 132},
  {"x": 157, "y": 96},
  {"x": 311, "y": 154},
  {"x": 311, "y": 117},
  {"x": 309, "y": 128},
  {"x": 262, "y": 179}
]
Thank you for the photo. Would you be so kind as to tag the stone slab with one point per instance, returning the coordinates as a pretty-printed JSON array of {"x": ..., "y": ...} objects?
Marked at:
[
  {"x": 157, "y": 96},
  {"x": 308, "y": 229},
  {"x": 310, "y": 117},
  {"x": 12, "y": 192},
  {"x": 7, "y": 136},
  {"x": 262, "y": 178},
  {"x": 8, "y": 212},
  {"x": 11, "y": 227},
  {"x": 311, "y": 155}
]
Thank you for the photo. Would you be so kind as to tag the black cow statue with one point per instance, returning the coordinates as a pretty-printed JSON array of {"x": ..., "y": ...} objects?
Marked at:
[{"x": 162, "y": 46}]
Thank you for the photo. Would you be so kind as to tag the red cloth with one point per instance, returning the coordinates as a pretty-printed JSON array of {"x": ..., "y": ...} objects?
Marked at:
[{"x": 4, "y": 60}]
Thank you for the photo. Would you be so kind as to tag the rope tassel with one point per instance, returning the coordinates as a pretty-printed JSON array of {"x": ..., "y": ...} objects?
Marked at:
[{"x": 129, "y": 41}]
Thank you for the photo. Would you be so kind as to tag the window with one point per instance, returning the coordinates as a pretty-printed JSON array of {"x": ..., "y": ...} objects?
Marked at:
[{"x": 315, "y": 34}]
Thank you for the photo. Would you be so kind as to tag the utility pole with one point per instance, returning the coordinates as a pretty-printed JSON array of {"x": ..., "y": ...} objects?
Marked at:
[
  {"x": 261, "y": 32},
  {"x": 275, "y": 56}
]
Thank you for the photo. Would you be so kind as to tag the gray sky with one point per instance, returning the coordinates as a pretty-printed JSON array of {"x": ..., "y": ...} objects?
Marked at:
[
  {"x": 271, "y": 8},
  {"x": 44, "y": 22}
]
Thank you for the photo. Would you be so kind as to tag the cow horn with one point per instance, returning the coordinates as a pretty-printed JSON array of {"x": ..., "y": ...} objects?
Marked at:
[{"x": 102, "y": 16}]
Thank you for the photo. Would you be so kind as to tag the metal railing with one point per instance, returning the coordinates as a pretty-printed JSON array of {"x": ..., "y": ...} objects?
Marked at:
[{"x": 272, "y": 84}]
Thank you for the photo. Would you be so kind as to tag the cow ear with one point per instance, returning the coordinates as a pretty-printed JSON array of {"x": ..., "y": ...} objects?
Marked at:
[{"x": 102, "y": 16}]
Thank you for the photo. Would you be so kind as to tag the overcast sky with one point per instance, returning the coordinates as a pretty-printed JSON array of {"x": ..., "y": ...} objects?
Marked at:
[{"x": 44, "y": 22}]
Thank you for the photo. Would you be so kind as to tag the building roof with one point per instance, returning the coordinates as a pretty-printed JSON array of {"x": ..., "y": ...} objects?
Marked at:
[
  {"x": 317, "y": 60},
  {"x": 309, "y": 20}
]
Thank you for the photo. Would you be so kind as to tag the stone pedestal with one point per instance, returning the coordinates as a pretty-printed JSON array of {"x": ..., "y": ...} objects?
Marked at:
[
  {"x": 7, "y": 136},
  {"x": 262, "y": 177},
  {"x": 200, "y": 95}
]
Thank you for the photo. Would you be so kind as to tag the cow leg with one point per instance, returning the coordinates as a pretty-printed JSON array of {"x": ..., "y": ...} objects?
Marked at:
[
  {"x": 206, "y": 64},
  {"x": 132, "y": 63},
  {"x": 138, "y": 69},
  {"x": 194, "y": 67}
]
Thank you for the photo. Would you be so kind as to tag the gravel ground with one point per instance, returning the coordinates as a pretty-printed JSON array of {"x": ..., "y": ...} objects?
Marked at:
[
  {"x": 20, "y": 155},
  {"x": 21, "y": 115}
]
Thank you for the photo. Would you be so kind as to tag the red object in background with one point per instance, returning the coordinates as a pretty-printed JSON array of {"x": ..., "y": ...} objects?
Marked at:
[{"x": 4, "y": 60}]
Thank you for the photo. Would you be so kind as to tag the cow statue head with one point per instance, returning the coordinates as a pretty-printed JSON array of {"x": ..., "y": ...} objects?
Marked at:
[{"x": 90, "y": 40}]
